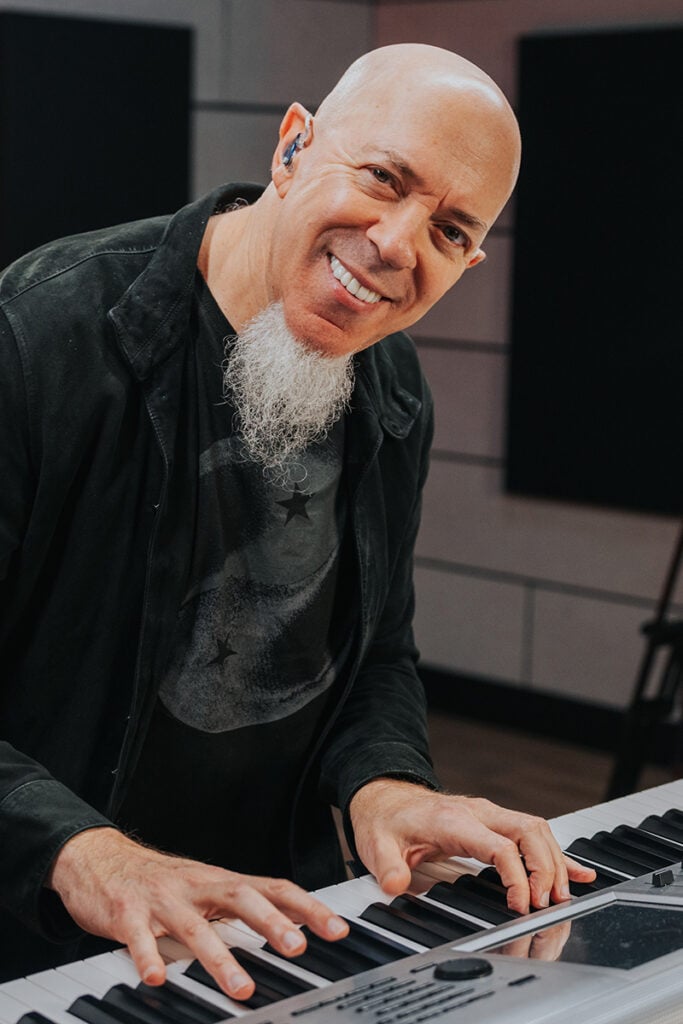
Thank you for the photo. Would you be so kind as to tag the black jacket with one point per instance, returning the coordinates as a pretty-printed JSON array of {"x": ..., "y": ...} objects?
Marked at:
[{"x": 98, "y": 478}]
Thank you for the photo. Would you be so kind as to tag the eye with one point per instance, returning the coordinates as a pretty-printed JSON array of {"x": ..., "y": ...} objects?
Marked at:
[
  {"x": 455, "y": 236},
  {"x": 382, "y": 176}
]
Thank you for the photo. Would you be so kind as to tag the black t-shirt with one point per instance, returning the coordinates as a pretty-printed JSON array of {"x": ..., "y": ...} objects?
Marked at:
[{"x": 262, "y": 636}]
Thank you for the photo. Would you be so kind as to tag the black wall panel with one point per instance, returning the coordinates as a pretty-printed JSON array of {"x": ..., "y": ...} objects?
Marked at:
[
  {"x": 94, "y": 125},
  {"x": 595, "y": 405}
]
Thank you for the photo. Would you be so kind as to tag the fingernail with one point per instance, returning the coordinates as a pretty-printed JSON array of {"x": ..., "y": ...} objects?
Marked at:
[
  {"x": 565, "y": 893},
  {"x": 238, "y": 982},
  {"x": 336, "y": 927},
  {"x": 545, "y": 899},
  {"x": 292, "y": 939}
]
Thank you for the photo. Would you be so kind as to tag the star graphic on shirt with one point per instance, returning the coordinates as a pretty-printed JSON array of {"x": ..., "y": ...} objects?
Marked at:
[
  {"x": 296, "y": 505},
  {"x": 224, "y": 652}
]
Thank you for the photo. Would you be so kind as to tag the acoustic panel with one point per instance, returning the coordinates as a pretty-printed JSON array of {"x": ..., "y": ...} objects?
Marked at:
[
  {"x": 94, "y": 125},
  {"x": 595, "y": 409}
]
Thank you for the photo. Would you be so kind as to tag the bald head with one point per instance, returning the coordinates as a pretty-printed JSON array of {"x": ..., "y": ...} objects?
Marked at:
[{"x": 414, "y": 81}]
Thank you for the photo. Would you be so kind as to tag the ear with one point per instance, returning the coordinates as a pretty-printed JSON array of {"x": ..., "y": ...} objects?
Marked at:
[
  {"x": 478, "y": 257},
  {"x": 293, "y": 123}
]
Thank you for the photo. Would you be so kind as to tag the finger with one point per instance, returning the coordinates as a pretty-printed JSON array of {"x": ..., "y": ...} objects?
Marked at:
[
  {"x": 544, "y": 863},
  {"x": 256, "y": 910},
  {"x": 510, "y": 867},
  {"x": 303, "y": 908},
  {"x": 142, "y": 946},
  {"x": 200, "y": 938},
  {"x": 385, "y": 860},
  {"x": 579, "y": 872}
]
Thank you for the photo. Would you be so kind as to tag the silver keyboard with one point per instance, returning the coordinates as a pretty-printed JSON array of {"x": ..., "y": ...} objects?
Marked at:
[{"x": 424, "y": 958}]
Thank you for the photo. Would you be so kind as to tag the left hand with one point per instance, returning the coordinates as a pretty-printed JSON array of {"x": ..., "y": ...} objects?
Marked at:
[{"x": 397, "y": 825}]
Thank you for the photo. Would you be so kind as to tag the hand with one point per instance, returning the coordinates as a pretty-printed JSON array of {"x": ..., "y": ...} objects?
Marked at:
[
  {"x": 398, "y": 825},
  {"x": 116, "y": 888}
]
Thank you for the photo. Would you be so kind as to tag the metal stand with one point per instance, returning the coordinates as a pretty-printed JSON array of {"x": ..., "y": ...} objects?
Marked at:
[{"x": 645, "y": 713}]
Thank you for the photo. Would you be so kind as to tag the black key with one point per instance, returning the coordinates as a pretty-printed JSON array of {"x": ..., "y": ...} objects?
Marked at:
[
  {"x": 378, "y": 948},
  {"x": 272, "y": 983},
  {"x": 191, "y": 1005},
  {"x": 330, "y": 960},
  {"x": 34, "y": 1017},
  {"x": 361, "y": 950},
  {"x": 391, "y": 918},
  {"x": 624, "y": 847},
  {"x": 644, "y": 841},
  {"x": 147, "y": 1007},
  {"x": 94, "y": 1011},
  {"x": 598, "y": 852},
  {"x": 443, "y": 921},
  {"x": 604, "y": 879},
  {"x": 472, "y": 895},
  {"x": 666, "y": 825}
]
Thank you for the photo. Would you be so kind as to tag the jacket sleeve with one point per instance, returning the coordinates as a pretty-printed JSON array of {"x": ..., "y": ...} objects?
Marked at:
[
  {"x": 37, "y": 813},
  {"x": 382, "y": 728}
]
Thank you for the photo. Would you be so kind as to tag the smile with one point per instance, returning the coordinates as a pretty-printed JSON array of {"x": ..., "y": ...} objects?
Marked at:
[{"x": 353, "y": 287}]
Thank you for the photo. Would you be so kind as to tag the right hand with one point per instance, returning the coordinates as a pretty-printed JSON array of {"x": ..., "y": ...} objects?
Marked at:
[{"x": 116, "y": 888}]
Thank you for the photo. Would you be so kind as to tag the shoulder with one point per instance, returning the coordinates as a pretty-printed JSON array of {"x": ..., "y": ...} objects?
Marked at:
[{"x": 110, "y": 255}]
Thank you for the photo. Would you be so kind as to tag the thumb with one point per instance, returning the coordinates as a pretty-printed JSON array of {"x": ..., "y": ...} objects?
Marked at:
[{"x": 389, "y": 867}]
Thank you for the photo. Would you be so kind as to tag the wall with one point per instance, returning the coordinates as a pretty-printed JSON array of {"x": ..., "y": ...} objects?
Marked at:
[
  {"x": 252, "y": 58},
  {"x": 530, "y": 593}
]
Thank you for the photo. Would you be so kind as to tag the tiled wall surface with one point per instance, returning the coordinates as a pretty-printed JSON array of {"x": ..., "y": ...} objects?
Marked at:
[{"x": 524, "y": 592}]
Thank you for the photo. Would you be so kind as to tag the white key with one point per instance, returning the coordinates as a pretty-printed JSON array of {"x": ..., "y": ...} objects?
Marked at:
[
  {"x": 121, "y": 969},
  {"x": 10, "y": 1009},
  {"x": 36, "y": 998},
  {"x": 94, "y": 980},
  {"x": 60, "y": 985}
]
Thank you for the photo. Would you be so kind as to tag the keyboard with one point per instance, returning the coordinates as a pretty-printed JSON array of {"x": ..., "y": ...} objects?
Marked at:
[{"x": 388, "y": 970}]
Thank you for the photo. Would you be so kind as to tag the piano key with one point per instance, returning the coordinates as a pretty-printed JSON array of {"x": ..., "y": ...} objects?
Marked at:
[
  {"x": 10, "y": 1009},
  {"x": 93, "y": 979},
  {"x": 449, "y": 924},
  {"x": 176, "y": 975},
  {"x": 272, "y": 982},
  {"x": 149, "y": 1008},
  {"x": 604, "y": 879},
  {"x": 60, "y": 985},
  {"x": 659, "y": 826},
  {"x": 604, "y": 846},
  {"x": 476, "y": 896},
  {"x": 395, "y": 920},
  {"x": 598, "y": 851},
  {"x": 35, "y": 1017},
  {"x": 35, "y": 998},
  {"x": 646, "y": 841},
  {"x": 359, "y": 951},
  {"x": 120, "y": 968},
  {"x": 172, "y": 995},
  {"x": 95, "y": 1011}
]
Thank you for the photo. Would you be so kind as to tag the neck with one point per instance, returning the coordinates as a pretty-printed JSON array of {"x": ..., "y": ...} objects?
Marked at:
[{"x": 232, "y": 260}]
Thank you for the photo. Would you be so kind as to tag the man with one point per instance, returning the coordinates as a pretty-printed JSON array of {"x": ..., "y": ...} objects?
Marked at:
[{"x": 207, "y": 571}]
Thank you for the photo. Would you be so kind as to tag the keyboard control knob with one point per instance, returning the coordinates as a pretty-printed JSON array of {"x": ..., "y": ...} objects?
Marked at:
[
  {"x": 463, "y": 970},
  {"x": 662, "y": 878}
]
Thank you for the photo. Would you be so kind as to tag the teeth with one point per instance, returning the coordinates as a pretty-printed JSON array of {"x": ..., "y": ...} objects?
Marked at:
[{"x": 353, "y": 286}]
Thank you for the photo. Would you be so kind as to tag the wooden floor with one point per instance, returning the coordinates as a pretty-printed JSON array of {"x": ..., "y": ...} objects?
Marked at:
[{"x": 522, "y": 771}]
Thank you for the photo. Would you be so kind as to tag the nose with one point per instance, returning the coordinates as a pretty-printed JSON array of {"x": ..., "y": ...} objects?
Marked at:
[{"x": 395, "y": 234}]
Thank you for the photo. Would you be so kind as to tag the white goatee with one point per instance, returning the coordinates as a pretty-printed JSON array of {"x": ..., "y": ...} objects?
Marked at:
[{"x": 286, "y": 396}]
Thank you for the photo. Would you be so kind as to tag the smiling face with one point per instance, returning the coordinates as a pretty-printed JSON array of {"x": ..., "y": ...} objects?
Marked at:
[{"x": 387, "y": 203}]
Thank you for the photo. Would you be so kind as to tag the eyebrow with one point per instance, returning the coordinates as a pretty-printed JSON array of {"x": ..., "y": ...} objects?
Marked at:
[{"x": 400, "y": 165}]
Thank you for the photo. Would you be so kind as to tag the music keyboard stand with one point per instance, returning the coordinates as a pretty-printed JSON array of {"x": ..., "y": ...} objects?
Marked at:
[{"x": 645, "y": 712}]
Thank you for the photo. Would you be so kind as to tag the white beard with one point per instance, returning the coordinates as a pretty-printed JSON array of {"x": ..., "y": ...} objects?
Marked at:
[{"x": 286, "y": 396}]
